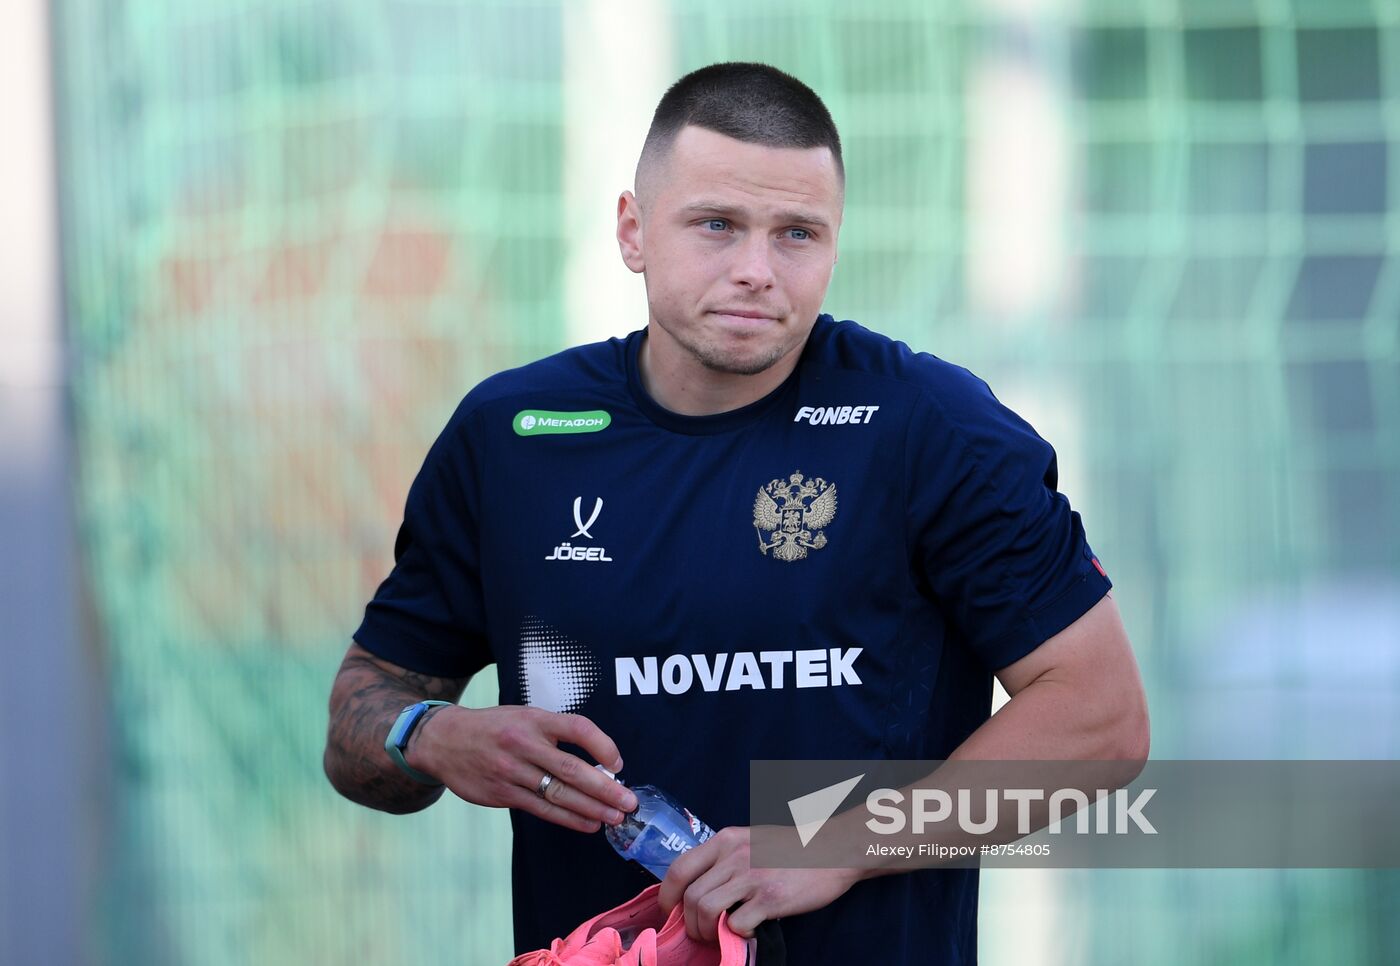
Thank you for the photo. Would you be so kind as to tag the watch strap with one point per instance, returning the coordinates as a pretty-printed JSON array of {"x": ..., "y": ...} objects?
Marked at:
[{"x": 397, "y": 739}]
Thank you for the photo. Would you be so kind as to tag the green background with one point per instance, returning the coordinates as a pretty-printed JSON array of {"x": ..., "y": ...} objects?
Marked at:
[{"x": 295, "y": 234}]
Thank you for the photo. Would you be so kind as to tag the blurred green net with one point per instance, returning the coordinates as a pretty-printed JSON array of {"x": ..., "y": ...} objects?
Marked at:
[{"x": 295, "y": 234}]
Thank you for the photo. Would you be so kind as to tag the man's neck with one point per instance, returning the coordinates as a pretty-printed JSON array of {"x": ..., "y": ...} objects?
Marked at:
[{"x": 679, "y": 383}]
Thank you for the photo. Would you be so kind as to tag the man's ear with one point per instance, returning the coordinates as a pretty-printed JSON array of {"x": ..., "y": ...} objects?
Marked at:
[{"x": 629, "y": 231}]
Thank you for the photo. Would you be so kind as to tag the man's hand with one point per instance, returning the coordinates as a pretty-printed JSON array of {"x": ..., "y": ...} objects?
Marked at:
[
  {"x": 490, "y": 756},
  {"x": 497, "y": 756},
  {"x": 712, "y": 877}
]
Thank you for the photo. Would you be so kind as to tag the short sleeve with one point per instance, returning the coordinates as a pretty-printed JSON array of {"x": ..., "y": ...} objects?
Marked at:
[
  {"x": 995, "y": 544},
  {"x": 427, "y": 615}
]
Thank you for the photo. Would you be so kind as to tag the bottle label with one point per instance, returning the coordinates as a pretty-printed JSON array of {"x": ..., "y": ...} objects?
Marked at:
[
  {"x": 698, "y": 829},
  {"x": 657, "y": 845},
  {"x": 676, "y": 843}
]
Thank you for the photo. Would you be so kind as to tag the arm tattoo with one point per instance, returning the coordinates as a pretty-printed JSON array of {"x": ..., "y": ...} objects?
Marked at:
[{"x": 365, "y": 701}]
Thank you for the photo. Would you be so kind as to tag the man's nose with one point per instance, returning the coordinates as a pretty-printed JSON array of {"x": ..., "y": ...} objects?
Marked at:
[{"x": 752, "y": 262}]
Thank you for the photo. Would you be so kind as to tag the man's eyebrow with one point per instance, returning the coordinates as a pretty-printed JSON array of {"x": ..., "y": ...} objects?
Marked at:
[{"x": 794, "y": 216}]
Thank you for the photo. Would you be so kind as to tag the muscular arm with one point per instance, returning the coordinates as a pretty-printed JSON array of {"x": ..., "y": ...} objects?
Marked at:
[
  {"x": 366, "y": 698},
  {"x": 1077, "y": 696},
  {"x": 487, "y": 756}
]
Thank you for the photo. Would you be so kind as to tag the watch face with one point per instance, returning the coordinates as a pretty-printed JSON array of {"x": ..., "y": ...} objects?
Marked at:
[
  {"x": 408, "y": 720},
  {"x": 408, "y": 717}
]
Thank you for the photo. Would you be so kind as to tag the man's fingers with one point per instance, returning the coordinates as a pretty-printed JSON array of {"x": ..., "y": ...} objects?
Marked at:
[
  {"x": 586, "y": 780},
  {"x": 564, "y": 795},
  {"x": 514, "y": 776},
  {"x": 687, "y": 868},
  {"x": 522, "y": 747},
  {"x": 706, "y": 898},
  {"x": 745, "y": 920},
  {"x": 550, "y": 812},
  {"x": 527, "y": 776},
  {"x": 579, "y": 730}
]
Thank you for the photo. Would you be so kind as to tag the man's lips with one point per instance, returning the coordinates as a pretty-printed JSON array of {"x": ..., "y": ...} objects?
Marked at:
[{"x": 744, "y": 314}]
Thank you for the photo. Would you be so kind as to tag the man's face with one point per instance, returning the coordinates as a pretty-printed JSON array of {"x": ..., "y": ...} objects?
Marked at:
[{"x": 725, "y": 230}]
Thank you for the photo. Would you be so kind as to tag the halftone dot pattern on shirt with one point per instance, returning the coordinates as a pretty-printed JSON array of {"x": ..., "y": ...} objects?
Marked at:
[{"x": 557, "y": 673}]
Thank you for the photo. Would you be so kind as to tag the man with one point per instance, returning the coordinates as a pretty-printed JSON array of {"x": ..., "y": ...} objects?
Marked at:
[{"x": 747, "y": 531}]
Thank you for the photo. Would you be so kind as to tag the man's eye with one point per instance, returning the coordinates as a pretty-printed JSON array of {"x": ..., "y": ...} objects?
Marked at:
[
  {"x": 802, "y": 234},
  {"x": 718, "y": 224}
]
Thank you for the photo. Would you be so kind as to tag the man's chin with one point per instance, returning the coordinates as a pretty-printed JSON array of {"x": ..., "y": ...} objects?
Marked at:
[
  {"x": 738, "y": 368},
  {"x": 740, "y": 363}
]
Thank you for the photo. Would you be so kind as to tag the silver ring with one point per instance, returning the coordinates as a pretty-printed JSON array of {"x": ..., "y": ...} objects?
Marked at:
[{"x": 544, "y": 784}]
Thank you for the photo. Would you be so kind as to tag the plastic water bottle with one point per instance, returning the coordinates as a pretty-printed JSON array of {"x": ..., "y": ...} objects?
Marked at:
[{"x": 657, "y": 831}]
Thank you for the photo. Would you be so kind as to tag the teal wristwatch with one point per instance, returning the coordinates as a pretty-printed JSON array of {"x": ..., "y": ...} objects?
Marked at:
[{"x": 398, "y": 737}]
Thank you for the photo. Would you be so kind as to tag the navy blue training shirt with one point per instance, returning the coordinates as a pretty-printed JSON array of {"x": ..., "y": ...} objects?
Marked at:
[{"x": 833, "y": 571}]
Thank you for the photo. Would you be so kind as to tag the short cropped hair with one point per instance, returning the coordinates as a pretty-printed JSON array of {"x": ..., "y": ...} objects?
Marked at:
[{"x": 749, "y": 102}]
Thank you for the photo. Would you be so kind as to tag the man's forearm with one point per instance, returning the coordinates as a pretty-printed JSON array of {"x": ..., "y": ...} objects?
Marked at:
[
  {"x": 365, "y": 701},
  {"x": 1046, "y": 721}
]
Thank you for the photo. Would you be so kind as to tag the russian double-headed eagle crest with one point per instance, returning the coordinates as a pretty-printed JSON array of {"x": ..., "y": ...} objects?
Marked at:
[{"x": 793, "y": 511}]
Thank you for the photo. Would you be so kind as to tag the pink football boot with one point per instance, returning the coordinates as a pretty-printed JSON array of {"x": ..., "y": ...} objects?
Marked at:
[
  {"x": 675, "y": 948},
  {"x": 613, "y": 933},
  {"x": 629, "y": 920},
  {"x": 642, "y": 952},
  {"x": 637, "y": 933},
  {"x": 604, "y": 948}
]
